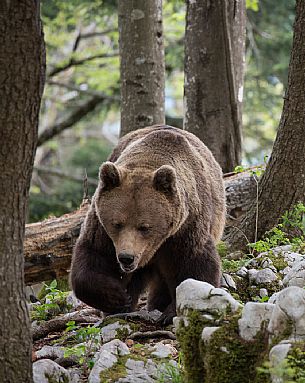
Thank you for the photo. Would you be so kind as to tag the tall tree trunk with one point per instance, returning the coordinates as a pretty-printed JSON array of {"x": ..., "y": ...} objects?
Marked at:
[
  {"x": 214, "y": 71},
  {"x": 142, "y": 64},
  {"x": 22, "y": 70},
  {"x": 283, "y": 184}
]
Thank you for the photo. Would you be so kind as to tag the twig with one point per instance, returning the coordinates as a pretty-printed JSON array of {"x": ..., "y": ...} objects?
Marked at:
[
  {"x": 76, "y": 62},
  {"x": 88, "y": 92},
  {"x": 61, "y": 174},
  {"x": 71, "y": 119},
  {"x": 60, "y": 323},
  {"x": 81, "y": 36}
]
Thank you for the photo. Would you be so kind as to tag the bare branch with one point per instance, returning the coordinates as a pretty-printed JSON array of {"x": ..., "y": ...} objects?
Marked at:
[
  {"x": 81, "y": 36},
  {"x": 71, "y": 119},
  {"x": 76, "y": 62},
  {"x": 60, "y": 174},
  {"x": 88, "y": 92}
]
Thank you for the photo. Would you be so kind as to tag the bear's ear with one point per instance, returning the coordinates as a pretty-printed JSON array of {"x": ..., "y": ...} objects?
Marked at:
[
  {"x": 165, "y": 179},
  {"x": 109, "y": 176}
]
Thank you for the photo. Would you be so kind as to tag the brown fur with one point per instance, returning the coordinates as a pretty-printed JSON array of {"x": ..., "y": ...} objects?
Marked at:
[{"x": 160, "y": 205}]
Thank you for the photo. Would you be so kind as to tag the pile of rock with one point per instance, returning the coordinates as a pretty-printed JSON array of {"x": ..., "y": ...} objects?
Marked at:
[
  {"x": 235, "y": 343},
  {"x": 267, "y": 274}
]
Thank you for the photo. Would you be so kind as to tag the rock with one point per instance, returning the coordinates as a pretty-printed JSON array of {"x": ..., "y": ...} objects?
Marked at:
[
  {"x": 106, "y": 358},
  {"x": 197, "y": 295},
  {"x": 242, "y": 272},
  {"x": 207, "y": 332},
  {"x": 228, "y": 282},
  {"x": 236, "y": 255},
  {"x": 296, "y": 276},
  {"x": 289, "y": 313},
  {"x": 73, "y": 301},
  {"x": 45, "y": 371},
  {"x": 278, "y": 353},
  {"x": 161, "y": 350},
  {"x": 110, "y": 331},
  {"x": 253, "y": 316},
  {"x": 50, "y": 352},
  {"x": 261, "y": 277},
  {"x": 276, "y": 356},
  {"x": 273, "y": 298},
  {"x": 138, "y": 371},
  {"x": 263, "y": 293}
]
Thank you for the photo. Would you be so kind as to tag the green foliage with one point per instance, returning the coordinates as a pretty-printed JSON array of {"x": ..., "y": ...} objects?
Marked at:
[
  {"x": 232, "y": 265},
  {"x": 54, "y": 302},
  {"x": 171, "y": 373},
  {"x": 87, "y": 338},
  {"x": 290, "y": 231},
  {"x": 67, "y": 194},
  {"x": 252, "y": 4},
  {"x": 269, "y": 38},
  {"x": 290, "y": 370}
]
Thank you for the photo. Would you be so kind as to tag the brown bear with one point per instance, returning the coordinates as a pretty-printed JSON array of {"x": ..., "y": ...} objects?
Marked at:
[{"x": 154, "y": 220}]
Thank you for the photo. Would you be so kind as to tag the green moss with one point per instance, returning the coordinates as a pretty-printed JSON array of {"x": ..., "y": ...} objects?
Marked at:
[
  {"x": 116, "y": 372},
  {"x": 61, "y": 379},
  {"x": 228, "y": 358},
  {"x": 278, "y": 261},
  {"x": 232, "y": 265},
  {"x": 222, "y": 249},
  {"x": 189, "y": 339}
]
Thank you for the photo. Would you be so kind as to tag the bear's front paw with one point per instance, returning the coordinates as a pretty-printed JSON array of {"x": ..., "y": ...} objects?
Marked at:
[
  {"x": 168, "y": 315},
  {"x": 116, "y": 301}
]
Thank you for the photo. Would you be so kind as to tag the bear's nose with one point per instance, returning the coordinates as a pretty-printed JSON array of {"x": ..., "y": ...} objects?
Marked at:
[{"x": 126, "y": 259}]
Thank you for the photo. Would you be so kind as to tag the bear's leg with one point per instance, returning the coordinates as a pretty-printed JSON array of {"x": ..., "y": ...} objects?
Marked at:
[
  {"x": 96, "y": 280},
  {"x": 158, "y": 296},
  {"x": 137, "y": 285},
  {"x": 204, "y": 266}
]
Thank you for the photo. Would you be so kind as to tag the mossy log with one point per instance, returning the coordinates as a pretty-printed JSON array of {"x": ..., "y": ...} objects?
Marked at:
[{"x": 48, "y": 244}]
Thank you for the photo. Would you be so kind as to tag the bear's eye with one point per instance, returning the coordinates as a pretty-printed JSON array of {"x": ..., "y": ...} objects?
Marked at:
[
  {"x": 143, "y": 229},
  {"x": 118, "y": 225}
]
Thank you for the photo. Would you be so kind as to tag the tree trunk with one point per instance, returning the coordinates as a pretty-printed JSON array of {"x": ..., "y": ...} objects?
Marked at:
[
  {"x": 22, "y": 59},
  {"x": 142, "y": 64},
  {"x": 214, "y": 70},
  {"x": 283, "y": 184}
]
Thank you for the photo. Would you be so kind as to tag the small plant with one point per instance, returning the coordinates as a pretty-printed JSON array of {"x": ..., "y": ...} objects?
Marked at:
[
  {"x": 290, "y": 231},
  {"x": 88, "y": 338},
  {"x": 290, "y": 370},
  {"x": 171, "y": 372},
  {"x": 53, "y": 303}
]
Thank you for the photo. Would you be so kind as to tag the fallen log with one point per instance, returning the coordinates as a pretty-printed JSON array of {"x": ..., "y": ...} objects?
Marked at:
[{"x": 48, "y": 244}]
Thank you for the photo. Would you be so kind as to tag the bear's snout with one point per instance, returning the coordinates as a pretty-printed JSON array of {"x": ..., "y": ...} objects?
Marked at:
[{"x": 127, "y": 261}]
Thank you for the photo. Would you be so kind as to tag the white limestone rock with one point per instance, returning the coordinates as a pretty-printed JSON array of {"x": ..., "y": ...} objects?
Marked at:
[
  {"x": 289, "y": 311},
  {"x": 261, "y": 277},
  {"x": 228, "y": 282},
  {"x": 253, "y": 316},
  {"x": 106, "y": 358},
  {"x": 50, "y": 352},
  {"x": 45, "y": 370},
  {"x": 207, "y": 333},
  {"x": 296, "y": 276},
  {"x": 110, "y": 331},
  {"x": 201, "y": 296}
]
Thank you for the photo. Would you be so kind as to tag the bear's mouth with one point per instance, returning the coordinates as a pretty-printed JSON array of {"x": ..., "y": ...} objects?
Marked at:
[{"x": 128, "y": 269}]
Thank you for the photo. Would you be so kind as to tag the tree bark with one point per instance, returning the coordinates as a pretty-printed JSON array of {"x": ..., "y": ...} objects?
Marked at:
[
  {"x": 142, "y": 64},
  {"x": 283, "y": 184},
  {"x": 22, "y": 68},
  {"x": 214, "y": 70},
  {"x": 49, "y": 244}
]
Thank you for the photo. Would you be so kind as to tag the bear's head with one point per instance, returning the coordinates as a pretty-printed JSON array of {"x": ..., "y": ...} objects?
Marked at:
[{"x": 139, "y": 209}]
